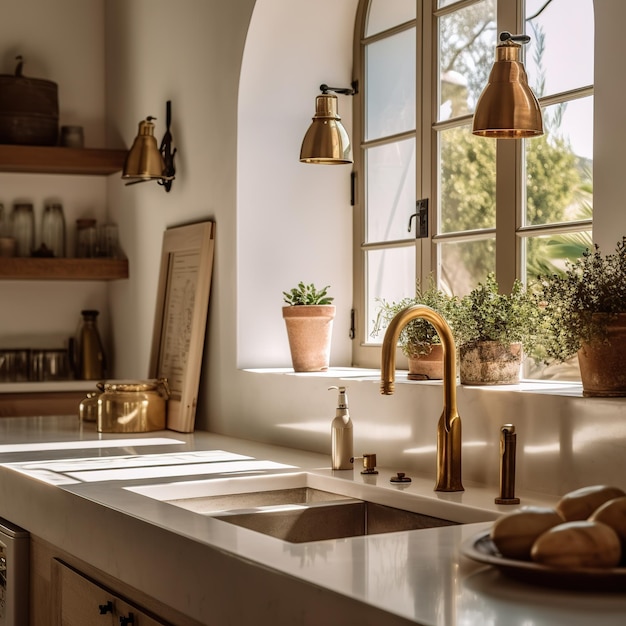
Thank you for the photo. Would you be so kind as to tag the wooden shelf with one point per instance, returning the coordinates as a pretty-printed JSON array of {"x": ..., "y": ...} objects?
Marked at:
[
  {"x": 59, "y": 160},
  {"x": 18, "y": 268}
]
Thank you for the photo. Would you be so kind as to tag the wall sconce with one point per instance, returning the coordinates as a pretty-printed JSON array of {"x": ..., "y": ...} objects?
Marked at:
[
  {"x": 507, "y": 107},
  {"x": 145, "y": 161},
  {"x": 326, "y": 141}
]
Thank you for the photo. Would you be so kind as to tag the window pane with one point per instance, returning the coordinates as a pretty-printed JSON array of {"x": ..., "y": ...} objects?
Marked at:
[
  {"x": 462, "y": 265},
  {"x": 559, "y": 165},
  {"x": 390, "y": 190},
  {"x": 466, "y": 51},
  {"x": 549, "y": 254},
  {"x": 467, "y": 181},
  {"x": 390, "y": 85},
  {"x": 559, "y": 56},
  {"x": 390, "y": 276},
  {"x": 384, "y": 14}
]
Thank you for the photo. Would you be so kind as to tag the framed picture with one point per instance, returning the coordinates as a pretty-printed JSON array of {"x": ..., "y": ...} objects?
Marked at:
[{"x": 181, "y": 318}]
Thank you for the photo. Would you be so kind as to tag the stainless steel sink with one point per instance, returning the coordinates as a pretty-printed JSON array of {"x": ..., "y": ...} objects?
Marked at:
[
  {"x": 319, "y": 521},
  {"x": 300, "y": 507},
  {"x": 273, "y": 497}
]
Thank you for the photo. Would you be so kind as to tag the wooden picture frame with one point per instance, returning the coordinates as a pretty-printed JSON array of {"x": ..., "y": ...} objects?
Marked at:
[{"x": 181, "y": 317}]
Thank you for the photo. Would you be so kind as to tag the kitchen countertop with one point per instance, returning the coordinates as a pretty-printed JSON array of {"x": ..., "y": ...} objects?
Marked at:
[{"x": 85, "y": 492}]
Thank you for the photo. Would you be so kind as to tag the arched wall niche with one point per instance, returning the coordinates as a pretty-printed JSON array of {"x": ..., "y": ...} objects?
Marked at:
[{"x": 294, "y": 221}]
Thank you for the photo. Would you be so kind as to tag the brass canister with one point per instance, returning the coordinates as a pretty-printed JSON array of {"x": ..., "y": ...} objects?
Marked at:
[{"x": 127, "y": 406}]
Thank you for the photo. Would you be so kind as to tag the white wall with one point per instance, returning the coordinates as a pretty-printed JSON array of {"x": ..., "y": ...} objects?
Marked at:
[{"x": 294, "y": 220}]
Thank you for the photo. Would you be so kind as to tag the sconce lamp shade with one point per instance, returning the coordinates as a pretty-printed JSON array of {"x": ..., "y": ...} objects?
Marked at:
[
  {"x": 326, "y": 141},
  {"x": 507, "y": 107},
  {"x": 144, "y": 160}
]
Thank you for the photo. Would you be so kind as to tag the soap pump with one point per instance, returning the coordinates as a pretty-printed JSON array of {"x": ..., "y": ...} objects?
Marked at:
[{"x": 342, "y": 456}]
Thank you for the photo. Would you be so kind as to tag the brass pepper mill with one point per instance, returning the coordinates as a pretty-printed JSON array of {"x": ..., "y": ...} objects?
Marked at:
[{"x": 508, "y": 441}]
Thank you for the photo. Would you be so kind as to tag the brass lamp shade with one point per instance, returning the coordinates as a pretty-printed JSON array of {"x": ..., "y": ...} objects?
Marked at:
[
  {"x": 144, "y": 160},
  {"x": 326, "y": 141},
  {"x": 507, "y": 107}
]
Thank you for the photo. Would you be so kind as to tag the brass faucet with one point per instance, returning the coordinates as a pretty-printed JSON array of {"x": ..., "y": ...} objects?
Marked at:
[{"x": 449, "y": 426}]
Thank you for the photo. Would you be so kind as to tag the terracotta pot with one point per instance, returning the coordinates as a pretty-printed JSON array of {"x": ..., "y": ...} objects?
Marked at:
[
  {"x": 490, "y": 363},
  {"x": 602, "y": 364},
  {"x": 427, "y": 366},
  {"x": 309, "y": 329}
]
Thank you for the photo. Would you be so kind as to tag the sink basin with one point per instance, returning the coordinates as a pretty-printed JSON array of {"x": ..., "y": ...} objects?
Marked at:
[
  {"x": 273, "y": 497},
  {"x": 319, "y": 521},
  {"x": 300, "y": 507}
]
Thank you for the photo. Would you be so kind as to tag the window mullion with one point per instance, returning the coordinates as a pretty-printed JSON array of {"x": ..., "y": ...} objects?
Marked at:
[
  {"x": 508, "y": 210},
  {"x": 509, "y": 162},
  {"x": 425, "y": 52}
]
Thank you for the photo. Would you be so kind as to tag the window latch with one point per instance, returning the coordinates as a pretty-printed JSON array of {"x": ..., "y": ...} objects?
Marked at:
[{"x": 421, "y": 215}]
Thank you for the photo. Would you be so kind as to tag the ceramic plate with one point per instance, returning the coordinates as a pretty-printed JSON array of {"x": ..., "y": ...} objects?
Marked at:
[{"x": 481, "y": 548}]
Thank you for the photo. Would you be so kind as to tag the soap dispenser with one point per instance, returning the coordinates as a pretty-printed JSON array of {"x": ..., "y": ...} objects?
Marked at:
[{"x": 342, "y": 456}]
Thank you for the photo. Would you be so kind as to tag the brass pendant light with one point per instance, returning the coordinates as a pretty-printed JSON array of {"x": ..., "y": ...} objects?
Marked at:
[
  {"x": 507, "y": 107},
  {"x": 326, "y": 141}
]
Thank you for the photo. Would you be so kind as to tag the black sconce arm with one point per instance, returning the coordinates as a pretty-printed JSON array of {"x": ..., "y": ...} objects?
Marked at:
[
  {"x": 166, "y": 150},
  {"x": 506, "y": 36},
  {"x": 346, "y": 91}
]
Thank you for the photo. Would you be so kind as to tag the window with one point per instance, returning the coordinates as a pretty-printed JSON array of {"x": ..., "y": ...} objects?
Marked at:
[{"x": 516, "y": 207}]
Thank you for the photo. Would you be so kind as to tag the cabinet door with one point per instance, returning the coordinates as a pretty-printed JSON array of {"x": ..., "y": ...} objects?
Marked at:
[{"x": 79, "y": 601}]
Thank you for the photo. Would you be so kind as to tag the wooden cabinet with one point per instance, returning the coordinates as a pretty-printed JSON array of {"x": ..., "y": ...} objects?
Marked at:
[
  {"x": 66, "y": 591},
  {"x": 80, "y": 601}
]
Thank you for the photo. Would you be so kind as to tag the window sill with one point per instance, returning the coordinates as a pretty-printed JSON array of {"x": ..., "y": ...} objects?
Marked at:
[{"x": 540, "y": 387}]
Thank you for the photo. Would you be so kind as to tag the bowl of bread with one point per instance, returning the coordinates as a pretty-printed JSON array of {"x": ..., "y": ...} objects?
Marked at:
[{"x": 580, "y": 543}]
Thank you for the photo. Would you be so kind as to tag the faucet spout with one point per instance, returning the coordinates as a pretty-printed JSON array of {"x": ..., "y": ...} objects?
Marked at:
[{"x": 449, "y": 425}]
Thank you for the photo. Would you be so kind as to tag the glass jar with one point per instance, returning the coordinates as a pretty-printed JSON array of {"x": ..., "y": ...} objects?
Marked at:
[
  {"x": 23, "y": 227},
  {"x": 86, "y": 238},
  {"x": 7, "y": 243},
  {"x": 108, "y": 240},
  {"x": 53, "y": 230}
]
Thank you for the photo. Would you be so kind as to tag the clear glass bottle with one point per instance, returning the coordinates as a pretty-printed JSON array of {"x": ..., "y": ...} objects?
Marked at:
[
  {"x": 91, "y": 357},
  {"x": 23, "y": 226},
  {"x": 85, "y": 238},
  {"x": 53, "y": 229}
]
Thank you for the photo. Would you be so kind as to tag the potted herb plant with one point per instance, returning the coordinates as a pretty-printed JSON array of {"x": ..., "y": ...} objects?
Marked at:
[
  {"x": 584, "y": 315},
  {"x": 491, "y": 329},
  {"x": 418, "y": 340},
  {"x": 309, "y": 317}
]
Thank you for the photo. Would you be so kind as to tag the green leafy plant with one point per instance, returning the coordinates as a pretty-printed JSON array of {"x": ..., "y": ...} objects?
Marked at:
[
  {"x": 578, "y": 302},
  {"x": 485, "y": 314},
  {"x": 418, "y": 336},
  {"x": 307, "y": 294}
]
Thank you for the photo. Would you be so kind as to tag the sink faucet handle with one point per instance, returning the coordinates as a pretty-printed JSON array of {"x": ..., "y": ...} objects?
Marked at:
[
  {"x": 369, "y": 463},
  {"x": 508, "y": 442}
]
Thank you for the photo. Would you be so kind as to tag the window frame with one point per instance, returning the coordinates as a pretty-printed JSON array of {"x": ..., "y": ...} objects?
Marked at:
[{"x": 509, "y": 231}]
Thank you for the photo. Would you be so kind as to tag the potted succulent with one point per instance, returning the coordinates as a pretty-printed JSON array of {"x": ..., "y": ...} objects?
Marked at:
[
  {"x": 418, "y": 340},
  {"x": 309, "y": 318},
  {"x": 491, "y": 329},
  {"x": 584, "y": 315}
]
